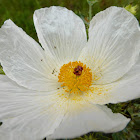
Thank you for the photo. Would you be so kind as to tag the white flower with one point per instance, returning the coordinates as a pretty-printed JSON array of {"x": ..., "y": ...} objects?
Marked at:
[{"x": 61, "y": 91}]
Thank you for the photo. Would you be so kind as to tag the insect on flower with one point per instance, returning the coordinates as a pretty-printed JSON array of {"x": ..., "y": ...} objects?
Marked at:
[{"x": 60, "y": 91}]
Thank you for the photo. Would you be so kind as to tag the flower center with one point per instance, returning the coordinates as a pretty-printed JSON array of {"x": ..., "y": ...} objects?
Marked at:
[
  {"x": 75, "y": 77},
  {"x": 78, "y": 70}
]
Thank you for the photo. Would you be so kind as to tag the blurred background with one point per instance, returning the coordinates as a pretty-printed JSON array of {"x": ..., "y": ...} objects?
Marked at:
[{"x": 21, "y": 12}]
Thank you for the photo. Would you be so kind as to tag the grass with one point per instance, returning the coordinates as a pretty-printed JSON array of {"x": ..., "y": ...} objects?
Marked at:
[{"x": 21, "y": 12}]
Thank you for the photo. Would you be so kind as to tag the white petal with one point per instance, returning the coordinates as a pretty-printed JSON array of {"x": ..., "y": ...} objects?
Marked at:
[
  {"x": 83, "y": 118},
  {"x": 29, "y": 113},
  {"x": 125, "y": 89},
  {"x": 113, "y": 46},
  {"x": 61, "y": 32},
  {"x": 24, "y": 61},
  {"x": 128, "y": 87},
  {"x": 8, "y": 135},
  {"x": 99, "y": 94},
  {"x": 4, "y": 135}
]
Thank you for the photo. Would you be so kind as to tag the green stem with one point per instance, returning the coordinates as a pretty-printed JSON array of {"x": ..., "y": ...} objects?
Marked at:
[
  {"x": 91, "y": 3},
  {"x": 90, "y": 12}
]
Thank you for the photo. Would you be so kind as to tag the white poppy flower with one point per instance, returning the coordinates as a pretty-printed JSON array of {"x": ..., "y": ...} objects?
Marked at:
[{"x": 60, "y": 91}]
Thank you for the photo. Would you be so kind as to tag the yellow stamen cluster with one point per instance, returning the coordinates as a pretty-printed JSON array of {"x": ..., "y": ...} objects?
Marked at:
[{"x": 75, "y": 81}]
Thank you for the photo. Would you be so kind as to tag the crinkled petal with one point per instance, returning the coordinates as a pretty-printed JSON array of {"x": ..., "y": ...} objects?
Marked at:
[
  {"x": 113, "y": 46},
  {"x": 24, "y": 61},
  {"x": 85, "y": 118},
  {"x": 99, "y": 94},
  {"x": 9, "y": 135},
  {"x": 125, "y": 89},
  {"x": 61, "y": 32},
  {"x": 128, "y": 87},
  {"x": 29, "y": 113},
  {"x": 4, "y": 135}
]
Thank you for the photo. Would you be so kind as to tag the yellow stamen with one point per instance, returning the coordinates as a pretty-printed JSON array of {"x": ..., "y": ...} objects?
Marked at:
[{"x": 75, "y": 77}]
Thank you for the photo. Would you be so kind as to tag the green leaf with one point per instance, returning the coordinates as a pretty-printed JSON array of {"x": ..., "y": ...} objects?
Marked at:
[{"x": 1, "y": 71}]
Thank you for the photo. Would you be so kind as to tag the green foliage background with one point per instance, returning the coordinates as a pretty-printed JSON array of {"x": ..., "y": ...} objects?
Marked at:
[{"x": 21, "y": 12}]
